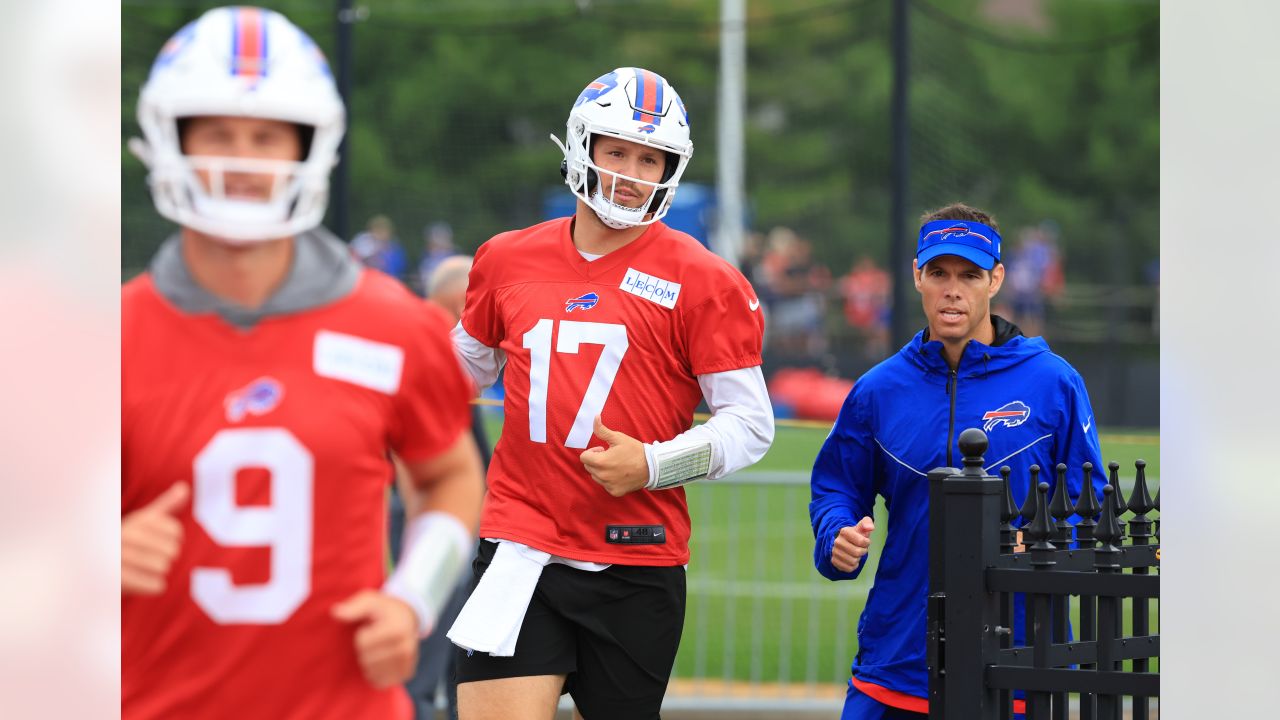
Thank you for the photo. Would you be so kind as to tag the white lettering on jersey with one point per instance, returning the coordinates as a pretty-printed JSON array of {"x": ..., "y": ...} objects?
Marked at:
[
  {"x": 663, "y": 292},
  {"x": 358, "y": 361}
]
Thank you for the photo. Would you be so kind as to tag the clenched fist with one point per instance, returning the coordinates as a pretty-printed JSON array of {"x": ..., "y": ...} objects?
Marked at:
[
  {"x": 852, "y": 543},
  {"x": 620, "y": 467},
  {"x": 386, "y": 636}
]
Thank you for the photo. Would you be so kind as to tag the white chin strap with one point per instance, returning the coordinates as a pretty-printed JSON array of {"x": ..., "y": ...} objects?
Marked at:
[{"x": 617, "y": 216}]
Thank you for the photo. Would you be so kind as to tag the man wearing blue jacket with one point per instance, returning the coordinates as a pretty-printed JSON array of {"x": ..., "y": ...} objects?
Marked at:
[{"x": 968, "y": 368}]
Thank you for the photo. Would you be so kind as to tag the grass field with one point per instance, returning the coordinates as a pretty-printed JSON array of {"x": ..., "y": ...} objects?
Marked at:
[{"x": 757, "y": 610}]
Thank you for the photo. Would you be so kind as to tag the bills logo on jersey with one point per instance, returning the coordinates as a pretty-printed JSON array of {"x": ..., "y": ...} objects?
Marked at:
[
  {"x": 582, "y": 302},
  {"x": 596, "y": 88},
  {"x": 257, "y": 398},
  {"x": 1011, "y": 415}
]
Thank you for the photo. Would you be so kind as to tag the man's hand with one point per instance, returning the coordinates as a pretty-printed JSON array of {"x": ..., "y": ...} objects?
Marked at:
[
  {"x": 620, "y": 466},
  {"x": 150, "y": 538},
  {"x": 386, "y": 636},
  {"x": 852, "y": 543}
]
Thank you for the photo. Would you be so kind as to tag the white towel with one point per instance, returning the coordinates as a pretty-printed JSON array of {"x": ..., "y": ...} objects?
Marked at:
[{"x": 490, "y": 621}]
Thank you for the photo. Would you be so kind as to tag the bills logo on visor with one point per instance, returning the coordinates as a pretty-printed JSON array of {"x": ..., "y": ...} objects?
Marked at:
[
  {"x": 1010, "y": 415},
  {"x": 582, "y": 302},
  {"x": 953, "y": 231},
  {"x": 257, "y": 398}
]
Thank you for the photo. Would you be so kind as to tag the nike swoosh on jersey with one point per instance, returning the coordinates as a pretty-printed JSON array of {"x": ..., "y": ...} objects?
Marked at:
[
  {"x": 753, "y": 304},
  {"x": 1088, "y": 425}
]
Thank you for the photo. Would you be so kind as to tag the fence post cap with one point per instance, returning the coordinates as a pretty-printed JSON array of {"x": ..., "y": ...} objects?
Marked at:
[{"x": 973, "y": 445}]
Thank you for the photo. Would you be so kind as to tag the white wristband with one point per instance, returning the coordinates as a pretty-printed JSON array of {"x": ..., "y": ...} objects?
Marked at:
[
  {"x": 674, "y": 463},
  {"x": 436, "y": 550}
]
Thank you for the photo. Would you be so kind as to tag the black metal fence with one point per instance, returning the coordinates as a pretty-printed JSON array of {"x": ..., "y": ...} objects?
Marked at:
[{"x": 978, "y": 565}]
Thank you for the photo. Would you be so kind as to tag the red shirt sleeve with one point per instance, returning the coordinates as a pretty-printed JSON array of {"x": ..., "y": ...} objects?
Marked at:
[
  {"x": 480, "y": 317},
  {"x": 725, "y": 331},
  {"x": 432, "y": 406}
]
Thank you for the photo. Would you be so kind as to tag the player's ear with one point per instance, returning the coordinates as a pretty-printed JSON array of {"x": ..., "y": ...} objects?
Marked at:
[
  {"x": 997, "y": 279},
  {"x": 917, "y": 274}
]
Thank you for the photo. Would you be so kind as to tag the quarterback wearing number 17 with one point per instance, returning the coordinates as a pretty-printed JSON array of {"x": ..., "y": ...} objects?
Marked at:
[
  {"x": 266, "y": 378},
  {"x": 612, "y": 328}
]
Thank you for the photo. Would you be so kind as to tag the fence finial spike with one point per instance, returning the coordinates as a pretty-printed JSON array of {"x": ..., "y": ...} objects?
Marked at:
[
  {"x": 1109, "y": 532},
  {"x": 1010, "y": 510},
  {"x": 1087, "y": 507},
  {"x": 1140, "y": 502},
  {"x": 1040, "y": 527},
  {"x": 1028, "y": 510},
  {"x": 1060, "y": 507},
  {"x": 1113, "y": 479}
]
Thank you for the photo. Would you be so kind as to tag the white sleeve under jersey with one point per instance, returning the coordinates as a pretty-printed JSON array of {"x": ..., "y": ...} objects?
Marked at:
[
  {"x": 740, "y": 430},
  {"x": 481, "y": 362}
]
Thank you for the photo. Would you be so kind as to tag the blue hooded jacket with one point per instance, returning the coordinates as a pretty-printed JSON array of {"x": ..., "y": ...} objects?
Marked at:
[{"x": 902, "y": 419}]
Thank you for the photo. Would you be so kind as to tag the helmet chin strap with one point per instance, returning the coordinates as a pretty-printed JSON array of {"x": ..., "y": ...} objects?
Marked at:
[{"x": 618, "y": 217}]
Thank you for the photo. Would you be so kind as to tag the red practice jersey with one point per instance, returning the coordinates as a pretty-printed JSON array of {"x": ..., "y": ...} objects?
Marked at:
[
  {"x": 283, "y": 432},
  {"x": 625, "y": 337}
]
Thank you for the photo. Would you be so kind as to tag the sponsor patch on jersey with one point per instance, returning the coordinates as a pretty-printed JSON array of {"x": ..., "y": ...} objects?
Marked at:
[
  {"x": 655, "y": 289},
  {"x": 1011, "y": 415},
  {"x": 582, "y": 302},
  {"x": 257, "y": 398},
  {"x": 362, "y": 362}
]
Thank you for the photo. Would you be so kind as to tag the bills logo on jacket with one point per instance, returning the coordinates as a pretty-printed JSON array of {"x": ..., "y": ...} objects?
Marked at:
[{"x": 1011, "y": 415}]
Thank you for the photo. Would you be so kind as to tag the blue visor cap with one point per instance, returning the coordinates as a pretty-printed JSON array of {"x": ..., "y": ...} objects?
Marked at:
[{"x": 973, "y": 241}]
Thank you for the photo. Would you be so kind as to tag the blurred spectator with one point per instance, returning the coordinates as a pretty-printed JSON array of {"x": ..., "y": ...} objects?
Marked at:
[
  {"x": 1034, "y": 276},
  {"x": 797, "y": 286},
  {"x": 866, "y": 305},
  {"x": 446, "y": 287},
  {"x": 378, "y": 248},
  {"x": 749, "y": 264},
  {"x": 447, "y": 284},
  {"x": 437, "y": 244}
]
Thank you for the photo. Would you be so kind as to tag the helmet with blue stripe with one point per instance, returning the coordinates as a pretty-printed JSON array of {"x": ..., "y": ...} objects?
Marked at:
[
  {"x": 240, "y": 62},
  {"x": 639, "y": 106}
]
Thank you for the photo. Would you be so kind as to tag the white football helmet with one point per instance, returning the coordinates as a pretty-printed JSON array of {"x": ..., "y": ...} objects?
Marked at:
[
  {"x": 248, "y": 62},
  {"x": 636, "y": 105}
]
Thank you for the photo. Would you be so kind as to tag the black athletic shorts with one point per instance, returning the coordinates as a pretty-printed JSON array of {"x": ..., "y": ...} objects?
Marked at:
[{"x": 614, "y": 633}]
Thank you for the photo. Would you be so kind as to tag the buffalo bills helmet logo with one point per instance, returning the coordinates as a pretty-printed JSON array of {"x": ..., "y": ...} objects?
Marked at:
[
  {"x": 174, "y": 47},
  {"x": 257, "y": 398},
  {"x": 1010, "y": 415},
  {"x": 582, "y": 302},
  {"x": 596, "y": 88},
  {"x": 646, "y": 129}
]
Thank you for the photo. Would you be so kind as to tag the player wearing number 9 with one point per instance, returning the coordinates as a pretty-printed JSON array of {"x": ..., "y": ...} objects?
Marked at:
[
  {"x": 267, "y": 379},
  {"x": 612, "y": 328}
]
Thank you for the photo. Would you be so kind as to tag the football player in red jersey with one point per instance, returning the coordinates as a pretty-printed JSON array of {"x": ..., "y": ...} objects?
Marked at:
[
  {"x": 612, "y": 328},
  {"x": 266, "y": 381}
]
